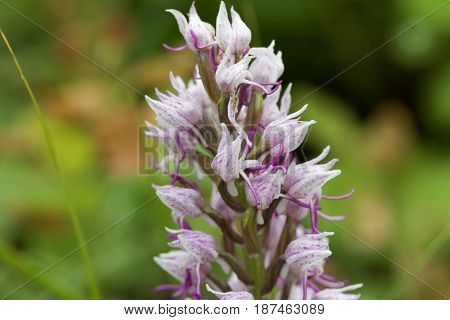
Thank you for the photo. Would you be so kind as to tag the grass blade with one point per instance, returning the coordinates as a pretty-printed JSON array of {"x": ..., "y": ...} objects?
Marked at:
[{"x": 74, "y": 217}]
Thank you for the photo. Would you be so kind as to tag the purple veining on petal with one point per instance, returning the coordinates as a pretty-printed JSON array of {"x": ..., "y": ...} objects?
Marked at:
[
  {"x": 278, "y": 155},
  {"x": 288, "y": 160},
  {"x": 266, "y": 166},
  {"x": 344, "y": 196},
  {"x": 197, "y": 137},
  {"x": 183, "y": 224},
  {"x": 314, "y": 287},
  {"x": 175, "y": 49},
  {"x": 194, "y": 39},
  {"x": 314, "y": 217},
  {"x": 180, "y": 146},
  {"x": 305, "y": 287}
]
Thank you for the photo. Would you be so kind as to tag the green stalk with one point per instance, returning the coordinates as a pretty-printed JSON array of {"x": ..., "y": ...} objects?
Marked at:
[
  {"x": 95, "y": 293},
  {"x": 257, "y": 268}
]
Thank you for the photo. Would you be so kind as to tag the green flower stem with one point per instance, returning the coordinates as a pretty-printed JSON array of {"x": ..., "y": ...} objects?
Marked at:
[
  {"x": 95, "y": 293},
  {"x": 207, "y": 75},
  {"x": 223, "y": 224},
  {"x": 255, "y": 110},
  {"x": 249, "y": 232},
  {"x": 258, "y": 274},
  {"x": 236, "y": 266},
  {"x": 222, "y": 105},
  {"x": 222, "y": 285},
  {"x": 228, "y": 198}
]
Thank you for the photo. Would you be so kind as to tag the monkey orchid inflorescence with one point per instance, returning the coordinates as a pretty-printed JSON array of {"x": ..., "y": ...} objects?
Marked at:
[{"x": 232, "y": 124}]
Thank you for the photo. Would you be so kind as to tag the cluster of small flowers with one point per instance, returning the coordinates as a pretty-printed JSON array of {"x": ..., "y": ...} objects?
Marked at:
[{"x": 232, "y": 124}]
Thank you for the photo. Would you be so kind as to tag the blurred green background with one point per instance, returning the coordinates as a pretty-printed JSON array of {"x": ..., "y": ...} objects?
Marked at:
[{"x": 387, "y": 119}]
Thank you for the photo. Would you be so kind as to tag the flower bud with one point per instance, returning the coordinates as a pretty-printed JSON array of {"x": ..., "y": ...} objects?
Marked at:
[
  {"x": 308, "y": 253},
  {"x": 338, "y": 294},
  {"x": 182, "y": 201},
  {"x": 198, "y": 34},
  {"x": 199, "y": 244},
  {"x": 235, "y": 35},
  {"x": 231, "y": 295}
]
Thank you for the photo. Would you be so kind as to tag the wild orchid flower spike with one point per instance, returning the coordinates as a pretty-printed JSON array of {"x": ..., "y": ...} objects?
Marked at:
[
  {"x": 232, "y": 295},
  {"x": 183, "y": 201},
  {"x": 286, "y": 130},
  {"x": 198, "y": 34},
  {"x": 232, "y": 123},
  {"x": 339, "y": 293},
  {"x": 235, "y": 35}
]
